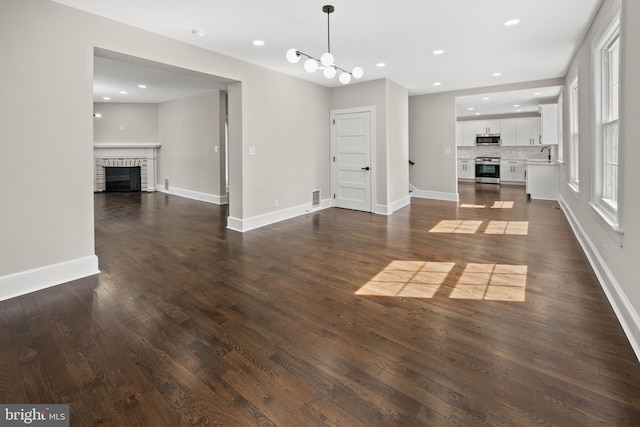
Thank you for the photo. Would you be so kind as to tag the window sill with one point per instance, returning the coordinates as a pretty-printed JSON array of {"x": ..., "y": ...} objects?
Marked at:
[
  {"x": 574, "y": 189},
  {"x": 613, "y": 228}
]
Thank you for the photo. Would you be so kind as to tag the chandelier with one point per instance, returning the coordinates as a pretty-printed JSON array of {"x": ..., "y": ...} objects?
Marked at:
[{"x": 325, "y": 63}]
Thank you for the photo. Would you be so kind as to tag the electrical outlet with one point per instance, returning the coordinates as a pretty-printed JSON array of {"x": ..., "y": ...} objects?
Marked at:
[{"x": 215, "y": 149}]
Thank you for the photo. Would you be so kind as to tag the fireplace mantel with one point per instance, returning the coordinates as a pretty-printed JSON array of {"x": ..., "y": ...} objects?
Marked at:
[
  {"x": 126, "y": 145},
  {"x": 143, "y": 154}
]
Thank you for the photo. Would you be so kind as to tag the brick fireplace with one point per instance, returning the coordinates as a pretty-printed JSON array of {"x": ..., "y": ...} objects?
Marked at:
[{"x": 143, "y": 155}]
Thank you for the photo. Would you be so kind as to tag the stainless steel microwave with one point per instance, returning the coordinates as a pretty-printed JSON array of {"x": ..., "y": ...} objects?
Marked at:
[{"x": 488, "y": 139}]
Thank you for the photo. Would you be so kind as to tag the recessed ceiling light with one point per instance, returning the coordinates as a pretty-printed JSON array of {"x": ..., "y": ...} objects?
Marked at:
[
  {"x": 106, "y": 98},
  {"x": 123, "y": 92},
  {"x": 97, "y": 115},
  {"x": 486, "y": 98},
  {"x": 437, "y": 83},
  {"x": 516, "y": 105},
  {"x": 476, "y": 114},
  {"x": 537, "y": 93},
  {"x": 381, "y": 64},
  {"x": 470, "y": 108},
  {"x": 518, "y": 111},
  {"x": 496, "y": 74},
  {"x": 438, "y": 52},
  {"x": 142, "y": 86},
  {"x": 199, "y": 33},
  {"x": 258, "y": 42},
  {"x": 511, "y": 22}
]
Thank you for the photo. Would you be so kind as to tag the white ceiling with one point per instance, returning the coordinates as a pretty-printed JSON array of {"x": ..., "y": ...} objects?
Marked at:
[{"x": 401, "y": 33}]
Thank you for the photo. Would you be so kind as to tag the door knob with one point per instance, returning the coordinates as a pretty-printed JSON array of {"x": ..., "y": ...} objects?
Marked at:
[{"x": 365, "y": 168}]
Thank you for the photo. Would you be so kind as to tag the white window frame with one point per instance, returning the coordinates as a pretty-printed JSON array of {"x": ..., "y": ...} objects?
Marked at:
[
  {"x": 606, "y": 195},
  {"x": 561, "y": 127},
  {"x": 574, "y": 134}
]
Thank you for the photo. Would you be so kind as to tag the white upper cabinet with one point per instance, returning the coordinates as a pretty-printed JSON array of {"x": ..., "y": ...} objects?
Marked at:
[
  {"x": 527, "y": 131},
  {"x": 508, "y": 132},
  {"x": 467, "y": 134},
  {"x": 487, "y": 126},
  {"x": 549, "y": 124}
]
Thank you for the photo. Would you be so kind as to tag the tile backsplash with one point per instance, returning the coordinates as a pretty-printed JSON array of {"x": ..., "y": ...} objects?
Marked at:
[{"x": 509, "y": 152}]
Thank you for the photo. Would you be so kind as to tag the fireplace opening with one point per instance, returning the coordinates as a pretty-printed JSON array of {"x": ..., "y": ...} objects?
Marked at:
[{"x": 122, "y": 179}]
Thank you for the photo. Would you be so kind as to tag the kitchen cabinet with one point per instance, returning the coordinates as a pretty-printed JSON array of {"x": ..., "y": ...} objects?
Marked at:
[
  {"x": 513, "y": 170},
  {"x": 467, "y": 134},
  {"x": 466, "y": 169},
  {"x": 543, "y": 180},
  {"x": 508, "y": 132},
  {"x": 527, "y": 131},
  {"x": 487, "y": 126},
  {"x": 549, "y": 123}
]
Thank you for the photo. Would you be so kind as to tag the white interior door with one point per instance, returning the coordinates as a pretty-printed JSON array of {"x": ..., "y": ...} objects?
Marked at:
[{"x": 352, "y": 166}]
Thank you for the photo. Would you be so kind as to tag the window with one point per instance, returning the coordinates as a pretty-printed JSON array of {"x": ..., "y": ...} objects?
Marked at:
[
  {"x": 606, "y": 64},
  {"x": 560, "y": 128},
  {"x": 574, "y": 137}
]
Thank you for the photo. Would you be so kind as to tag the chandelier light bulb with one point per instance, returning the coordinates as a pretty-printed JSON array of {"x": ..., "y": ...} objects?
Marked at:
[
  {"x": 311, "y": 65},
  {"x": 329, "y": 72},
  {"x": 292, "y": 56},
  {"x": 357, "y": 72},
  {"x": 326, "y": 59},
  {"x": 345, "y": 78}
]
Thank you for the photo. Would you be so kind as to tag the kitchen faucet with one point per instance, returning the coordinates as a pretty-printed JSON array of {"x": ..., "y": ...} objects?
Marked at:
[{"x": 548, "y": 147}]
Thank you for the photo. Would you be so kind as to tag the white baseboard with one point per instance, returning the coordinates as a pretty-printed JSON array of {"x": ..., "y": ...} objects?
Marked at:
[
  {"x": 195, "y": 195},
  {"x": 626, "y": 314},
  {"x": 243, "y": 225},
  {"x": 436, "y": 195},
  {"x": 25, "y": 282},
  {"x": 394, "y": 206}
]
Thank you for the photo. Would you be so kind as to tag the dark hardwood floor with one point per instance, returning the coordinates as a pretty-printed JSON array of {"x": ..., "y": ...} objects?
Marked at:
[{"x": 192, "y": 324}]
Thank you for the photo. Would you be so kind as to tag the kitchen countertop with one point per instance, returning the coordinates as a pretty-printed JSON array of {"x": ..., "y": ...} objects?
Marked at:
[{"x": 542, "y": 162}]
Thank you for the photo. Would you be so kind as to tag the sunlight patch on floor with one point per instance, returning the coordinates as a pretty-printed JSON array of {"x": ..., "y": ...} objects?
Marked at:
[
  {"x": 414, "y": 279},
  {"x": 495, "y": 282},
  {"x": 508, "y": 227},
  {"x": 466, "y": 205},
  {"x": 456, "y": 226},
  {"x": 520, "y": 228},
  {"x": 502, "y": 205}
]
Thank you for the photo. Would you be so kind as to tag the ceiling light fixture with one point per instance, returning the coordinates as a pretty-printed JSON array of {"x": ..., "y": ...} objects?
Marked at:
[
  {"x": 258, "y": 42},
  {"x": 142, "y": 86},
  {"x": 496, "y": 74},
  {"x": 330, "y": 68},
  {"x": 199, "y": 33},
  {"x": 381, "y": 65},
  {"x": 511, "y": 22},
  {"x": 437, "y": 83},
  {"x": 438, "y": 52}
]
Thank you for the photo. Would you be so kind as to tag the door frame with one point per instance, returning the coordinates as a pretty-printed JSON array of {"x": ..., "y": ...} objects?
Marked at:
[{"x": 371, "y": 109}]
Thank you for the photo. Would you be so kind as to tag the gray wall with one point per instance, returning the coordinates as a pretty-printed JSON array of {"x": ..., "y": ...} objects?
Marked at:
[
  {"x": 616, "y": 264},
  {"x": 189, "y": 133},
  {"x": 125, "y": 122},
  {"x": 397, "y": 143}
]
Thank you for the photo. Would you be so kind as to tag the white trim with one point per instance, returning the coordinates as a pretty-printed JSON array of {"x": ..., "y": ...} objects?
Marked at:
[
  {"x": 195, "y": 195},
  {"x": 247, "y": 224},
  {"x": 626, "y": 314},
  {"x": 24, "y": 282},
  {"x": 127, "y": 145},
  {"x": 394, "y": 206},
  {"x": 371, "y": 109},
  {"x": 435, "y": 195}
]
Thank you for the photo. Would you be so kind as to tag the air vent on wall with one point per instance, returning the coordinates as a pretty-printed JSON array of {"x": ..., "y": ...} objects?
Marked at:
[{"x": 315, "y": 198}]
